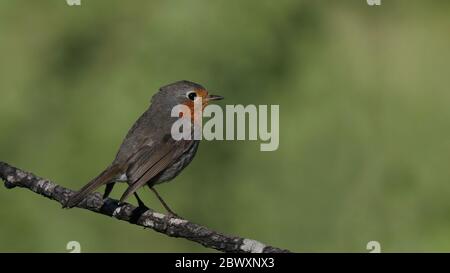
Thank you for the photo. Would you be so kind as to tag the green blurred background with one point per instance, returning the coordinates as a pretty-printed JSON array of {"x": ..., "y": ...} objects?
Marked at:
[{"x": 364, "y": 118}]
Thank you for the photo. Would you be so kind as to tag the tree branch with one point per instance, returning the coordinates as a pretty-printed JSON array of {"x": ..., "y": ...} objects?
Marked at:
[{"x": 173, "y": 227}]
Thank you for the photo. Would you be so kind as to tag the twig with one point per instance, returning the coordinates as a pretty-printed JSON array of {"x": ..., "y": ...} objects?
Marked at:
[{"x": 174, "y": 227}]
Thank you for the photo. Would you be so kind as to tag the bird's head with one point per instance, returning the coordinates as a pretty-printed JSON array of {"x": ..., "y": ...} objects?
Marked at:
[{"x": 183, "y": 92}]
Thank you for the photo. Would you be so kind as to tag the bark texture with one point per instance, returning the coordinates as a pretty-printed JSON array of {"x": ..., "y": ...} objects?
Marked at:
[{"x": 174, "y": 227}]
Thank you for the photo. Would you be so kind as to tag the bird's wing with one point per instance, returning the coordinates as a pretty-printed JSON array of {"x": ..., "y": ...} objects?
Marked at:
[{"x": 148, "y": 162}]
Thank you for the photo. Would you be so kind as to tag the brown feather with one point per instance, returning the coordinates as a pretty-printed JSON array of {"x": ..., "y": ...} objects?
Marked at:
[
  {"x": 104, "y": 178},
  {"x": 151, "y": 172},
  {"x": 151, "y": 166}
]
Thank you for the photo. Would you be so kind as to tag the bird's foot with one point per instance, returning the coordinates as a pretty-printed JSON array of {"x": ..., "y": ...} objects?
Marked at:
[{"x": 137, "y": 213}]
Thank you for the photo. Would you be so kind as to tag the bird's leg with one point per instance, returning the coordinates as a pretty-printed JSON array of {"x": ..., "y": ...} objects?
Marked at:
[
  {"x": 137, "y": 213},
  {"x": 108, "y": 189},
  {"x": 140, "y": 203},
  {"x": 173, "y": 214}
]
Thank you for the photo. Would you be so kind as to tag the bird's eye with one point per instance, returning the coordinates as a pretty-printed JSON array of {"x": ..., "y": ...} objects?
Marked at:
[{"x": 191, "y": 95}]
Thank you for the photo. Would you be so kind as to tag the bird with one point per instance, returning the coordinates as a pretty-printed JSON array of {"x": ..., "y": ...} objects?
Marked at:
[{"x": 149, "y": 155}]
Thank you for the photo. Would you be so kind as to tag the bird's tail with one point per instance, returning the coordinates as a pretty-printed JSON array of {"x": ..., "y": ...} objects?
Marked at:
[{"x": 106, "y": 176}]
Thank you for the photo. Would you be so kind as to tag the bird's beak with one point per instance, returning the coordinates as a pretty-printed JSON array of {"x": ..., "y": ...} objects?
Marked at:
[{"x": 214, "y": 97}]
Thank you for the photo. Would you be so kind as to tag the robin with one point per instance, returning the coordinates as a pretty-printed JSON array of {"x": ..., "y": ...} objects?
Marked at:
[{"x": 149, "y": 155}]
